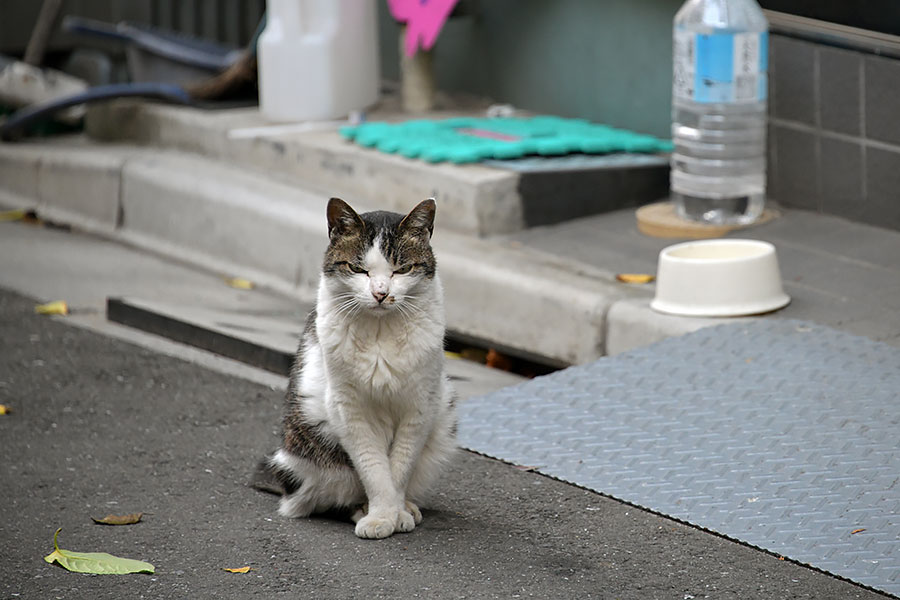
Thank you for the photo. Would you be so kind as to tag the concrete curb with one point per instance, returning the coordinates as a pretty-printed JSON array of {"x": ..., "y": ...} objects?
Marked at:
[
  {"x": 70, "y": 183},
  {"x": 236, "y": 221},
  {"x": 208, "y": 209},
  {"x": 476, "y": 199},
  {"x": 631, "y": 323},
  {"x": 525, "y": 299},
  {"x": 19, "y": 167}
]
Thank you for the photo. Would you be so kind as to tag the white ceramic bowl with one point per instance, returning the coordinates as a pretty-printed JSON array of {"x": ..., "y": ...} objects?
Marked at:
[{"x": 719, "y": 278}]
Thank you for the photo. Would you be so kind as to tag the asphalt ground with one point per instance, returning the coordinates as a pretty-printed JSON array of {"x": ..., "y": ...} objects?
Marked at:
[{"x": 101, "y": 426}]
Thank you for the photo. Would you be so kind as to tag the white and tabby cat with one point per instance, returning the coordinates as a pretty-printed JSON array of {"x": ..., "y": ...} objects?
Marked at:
[{"x": 370, "y": 419}]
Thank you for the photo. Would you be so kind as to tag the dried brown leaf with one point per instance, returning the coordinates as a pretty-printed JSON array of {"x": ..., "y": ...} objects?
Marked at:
[
  {"x": 496, "y": 360},
  {"x": 119, "y": 519}
]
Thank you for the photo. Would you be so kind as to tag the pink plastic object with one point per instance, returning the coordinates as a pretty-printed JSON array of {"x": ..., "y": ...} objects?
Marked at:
[{"x": 424, "y": 20}]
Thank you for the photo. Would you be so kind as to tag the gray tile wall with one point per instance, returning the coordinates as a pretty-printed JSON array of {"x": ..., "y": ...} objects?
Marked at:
[{"x": 834, "y": 131}]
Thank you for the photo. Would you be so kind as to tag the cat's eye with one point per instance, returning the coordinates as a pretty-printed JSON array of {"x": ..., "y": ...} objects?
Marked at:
[
  {"x": 403, "y": 270},
  {"x": 356, "y": 269}
]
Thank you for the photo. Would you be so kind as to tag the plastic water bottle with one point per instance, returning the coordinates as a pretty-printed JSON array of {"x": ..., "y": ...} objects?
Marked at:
[{"x": 719, "y": 90}]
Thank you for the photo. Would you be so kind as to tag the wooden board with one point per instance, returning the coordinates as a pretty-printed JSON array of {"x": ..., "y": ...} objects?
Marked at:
[{"x": 660, "y": 220}]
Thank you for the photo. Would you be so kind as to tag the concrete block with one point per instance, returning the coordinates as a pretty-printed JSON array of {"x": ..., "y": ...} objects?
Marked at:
[
  {"x": 81, "y": 186},
  {"x": 224, "y": 218},
  {"x": 164, "y": 125},
  {"x": 19, "y": 166},
  {"x": 631, "y": 323},
  {"x": 115, "y": 120},
  {"x": 522, "y": 299},
  {"x": 474, "y": 199}
]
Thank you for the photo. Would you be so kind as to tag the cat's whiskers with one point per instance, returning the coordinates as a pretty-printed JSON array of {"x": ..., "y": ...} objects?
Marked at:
[
  {"x": 348, "y": 306},
  {"x": 409, "y": 310}
]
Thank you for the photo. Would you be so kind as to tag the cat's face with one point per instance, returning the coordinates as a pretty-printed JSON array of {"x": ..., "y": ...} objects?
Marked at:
[{"x": 378, "y": 261}]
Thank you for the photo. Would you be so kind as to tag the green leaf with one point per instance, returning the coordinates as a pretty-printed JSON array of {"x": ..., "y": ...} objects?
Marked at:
[{"x": 100, "y": 563}]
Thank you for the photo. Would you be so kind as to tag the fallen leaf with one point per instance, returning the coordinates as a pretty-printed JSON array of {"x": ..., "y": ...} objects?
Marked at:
[
  {"x": 635, "y": 277},
  {"x": 241, "y": 570},
  {"x": 496, "y": 360},
  {"x": 119, "y": 519},
  {"x": 13, "y": 215},
  {"x": 59, "y": 307},
  {"x": 99, "y": 563},
  {"x": 4, "y": 409},
  {"x": 239, "y": 283},
  {"x": 855, "y": 531}
]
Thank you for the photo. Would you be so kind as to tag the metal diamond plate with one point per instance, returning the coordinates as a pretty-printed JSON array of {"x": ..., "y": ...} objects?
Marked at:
[{"x": 778, "y": 433}]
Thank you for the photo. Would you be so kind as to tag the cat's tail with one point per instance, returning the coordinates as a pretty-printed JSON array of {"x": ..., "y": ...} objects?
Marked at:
[{"x": 272, "y": 478}]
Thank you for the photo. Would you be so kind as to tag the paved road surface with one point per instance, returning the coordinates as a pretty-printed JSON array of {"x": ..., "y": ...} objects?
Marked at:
[{"x": 100, "y": 426}]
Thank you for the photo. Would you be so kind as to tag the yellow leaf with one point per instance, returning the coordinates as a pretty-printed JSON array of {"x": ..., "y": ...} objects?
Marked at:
[
  {"x": 13, "y": 215},
  {"x": 59, "y": 307},
  {"x": 855, "y": 531},
  {"x": 119, "y": 519},
  {"x": 239, "y": 283},
  {"x": 241, "y": 570},
  {"x": 4, "y": 409},
  {"x": 635, "y": 277}
]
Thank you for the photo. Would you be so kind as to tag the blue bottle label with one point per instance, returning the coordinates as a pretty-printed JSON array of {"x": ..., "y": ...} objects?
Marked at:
[{"x": 720, "y": 67}]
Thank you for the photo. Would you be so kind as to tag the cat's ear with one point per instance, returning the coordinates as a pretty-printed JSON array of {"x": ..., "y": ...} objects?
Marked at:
[
  {"x": 342, "y": 219},
  {"x": 420, "y": 218}
]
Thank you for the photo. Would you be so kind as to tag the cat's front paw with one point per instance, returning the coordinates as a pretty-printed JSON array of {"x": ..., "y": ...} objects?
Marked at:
[
  {"x": 406, "y": 521},
  {"x": 414, "y": 511},
  {"x": 375, "y": 527},
  {"x": 378, "y": 526}
]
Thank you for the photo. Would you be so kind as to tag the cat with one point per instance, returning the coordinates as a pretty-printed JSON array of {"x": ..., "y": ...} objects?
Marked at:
[{"x": 370, "y": 417}]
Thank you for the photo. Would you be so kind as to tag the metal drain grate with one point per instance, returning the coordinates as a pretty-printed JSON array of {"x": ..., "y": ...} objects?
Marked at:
[{"x": 782, "y": 434}]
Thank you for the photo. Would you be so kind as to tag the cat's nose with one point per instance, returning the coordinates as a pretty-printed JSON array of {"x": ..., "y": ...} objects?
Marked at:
[{"x": 379, "y": 295}]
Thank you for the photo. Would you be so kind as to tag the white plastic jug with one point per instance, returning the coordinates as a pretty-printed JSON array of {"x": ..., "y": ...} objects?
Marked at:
[{"x": 318, "y": 59}]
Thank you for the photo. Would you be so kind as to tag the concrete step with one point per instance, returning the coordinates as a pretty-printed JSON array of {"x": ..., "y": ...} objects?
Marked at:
[
  {"x": 238, "y": 221},
  {"x": 481, "y": 199},
  {"x": 173, "y": 309},
  {"x": 266, "y": 341}
]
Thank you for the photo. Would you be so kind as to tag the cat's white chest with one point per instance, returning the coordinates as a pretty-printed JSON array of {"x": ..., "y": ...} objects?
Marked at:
[{"x": 381, "y": 356}]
